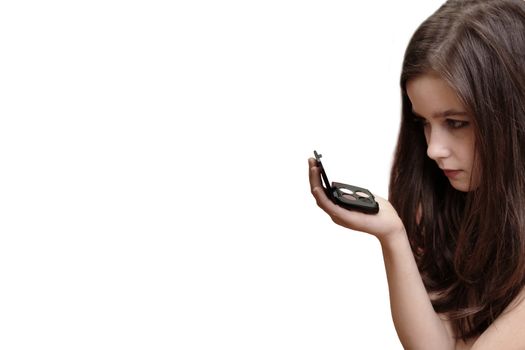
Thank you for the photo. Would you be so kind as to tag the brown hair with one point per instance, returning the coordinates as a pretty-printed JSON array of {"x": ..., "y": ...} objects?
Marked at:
[{"x": 470, "y": 247}]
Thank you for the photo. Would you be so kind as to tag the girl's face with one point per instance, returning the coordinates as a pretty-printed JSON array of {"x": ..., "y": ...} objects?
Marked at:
[{"x": 448, "y": 129}]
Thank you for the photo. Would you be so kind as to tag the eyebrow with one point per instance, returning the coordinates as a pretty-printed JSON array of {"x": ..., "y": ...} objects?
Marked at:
[{"x": 443, "y": 114}]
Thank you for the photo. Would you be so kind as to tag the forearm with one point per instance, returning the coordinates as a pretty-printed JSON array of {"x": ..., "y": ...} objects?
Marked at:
[{"x": 417, "y": 324}]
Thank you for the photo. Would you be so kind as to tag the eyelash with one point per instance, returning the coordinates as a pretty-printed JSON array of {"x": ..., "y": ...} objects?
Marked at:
[
  {"x": 456, "y": 124},
  {"x": 452, "y": 124}
]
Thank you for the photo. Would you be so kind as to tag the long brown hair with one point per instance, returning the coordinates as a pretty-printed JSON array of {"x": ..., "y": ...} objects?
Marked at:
[{"x": 470, "y": 247}]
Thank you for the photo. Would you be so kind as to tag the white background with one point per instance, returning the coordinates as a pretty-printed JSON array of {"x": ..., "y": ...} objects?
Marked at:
[{"x": 153, "y": 171}]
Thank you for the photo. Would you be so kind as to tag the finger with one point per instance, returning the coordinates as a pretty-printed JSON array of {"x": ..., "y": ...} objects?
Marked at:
[
  {"x": 322, "y": 200},
  {"x": 314, "y": 173},
  {"x": 326, "y": 203},
  {"x": 318, "y": 190},
  {"x": 339, "y": 215}
]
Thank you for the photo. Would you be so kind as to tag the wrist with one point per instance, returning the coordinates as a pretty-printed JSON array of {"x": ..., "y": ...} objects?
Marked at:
[{"x": 394, "y": 238}]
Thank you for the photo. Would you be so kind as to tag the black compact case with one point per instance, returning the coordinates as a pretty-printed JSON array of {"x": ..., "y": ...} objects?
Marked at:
[{"x": 347, "y": 196}]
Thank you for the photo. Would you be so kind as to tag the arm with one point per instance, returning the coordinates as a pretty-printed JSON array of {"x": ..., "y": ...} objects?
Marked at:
[{"x": 417, "y": 324}]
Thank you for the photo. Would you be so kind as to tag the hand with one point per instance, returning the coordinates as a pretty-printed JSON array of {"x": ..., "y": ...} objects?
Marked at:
[{"x": 383, "y": 225}]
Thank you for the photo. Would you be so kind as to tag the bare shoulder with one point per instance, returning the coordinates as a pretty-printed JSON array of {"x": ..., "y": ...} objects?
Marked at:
[{"x": 506, "y": 332}]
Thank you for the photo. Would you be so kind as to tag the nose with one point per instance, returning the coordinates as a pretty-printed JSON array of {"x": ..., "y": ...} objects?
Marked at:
[{"x": 438, "y": 145}]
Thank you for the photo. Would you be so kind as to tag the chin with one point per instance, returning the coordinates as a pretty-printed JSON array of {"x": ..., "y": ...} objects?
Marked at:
[
  {"x": 460, "y": 184},
  {"x": 463, "y": 187}
]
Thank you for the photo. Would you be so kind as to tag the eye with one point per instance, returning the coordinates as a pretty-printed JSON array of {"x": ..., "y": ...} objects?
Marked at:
[{"x": 456, "y": 124}]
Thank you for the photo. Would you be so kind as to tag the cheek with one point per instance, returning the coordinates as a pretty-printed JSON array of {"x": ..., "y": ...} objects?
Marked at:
[{"x": 468, "y": 147}]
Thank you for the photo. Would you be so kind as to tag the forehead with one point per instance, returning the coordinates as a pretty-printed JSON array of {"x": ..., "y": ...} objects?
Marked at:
[{"x": 430, "y": 95}]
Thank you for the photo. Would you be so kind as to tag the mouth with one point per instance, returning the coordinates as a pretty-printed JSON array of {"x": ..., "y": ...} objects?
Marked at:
[{"x": 451, "y": 174}]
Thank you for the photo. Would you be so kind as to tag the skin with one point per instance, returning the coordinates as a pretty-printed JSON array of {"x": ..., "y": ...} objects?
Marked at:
[
  {"x": 451, "y": 144},
  {"x": 448, "y": 129}
]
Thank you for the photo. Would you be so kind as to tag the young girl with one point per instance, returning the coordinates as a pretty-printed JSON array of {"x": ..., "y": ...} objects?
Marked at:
[{"x": 453, "y": 233}]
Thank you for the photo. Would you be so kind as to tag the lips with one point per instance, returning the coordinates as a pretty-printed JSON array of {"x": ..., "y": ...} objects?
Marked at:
[{"x": 451, "y": 174}]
